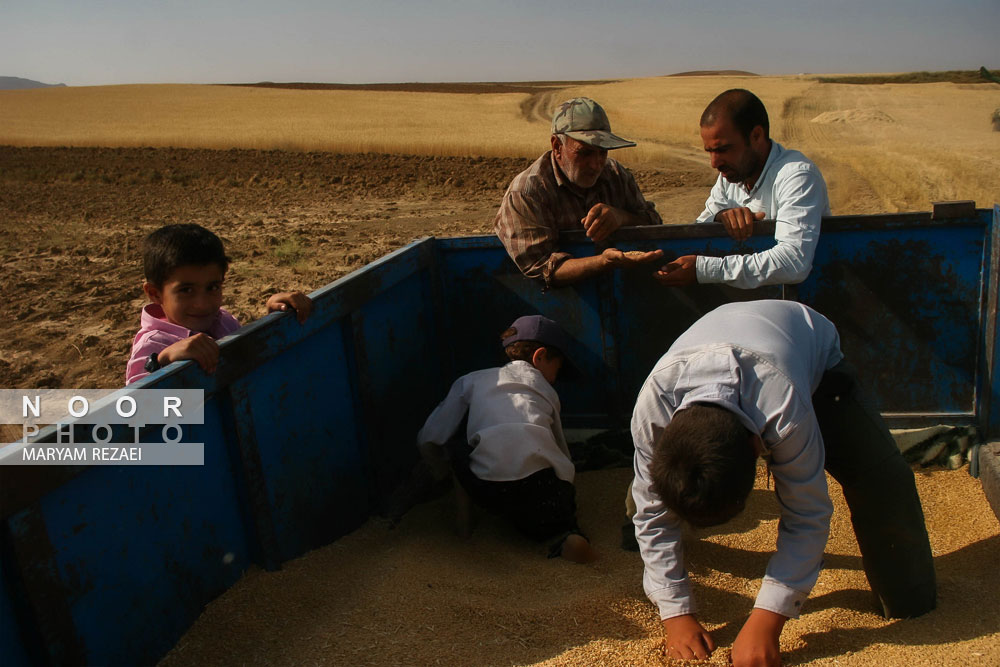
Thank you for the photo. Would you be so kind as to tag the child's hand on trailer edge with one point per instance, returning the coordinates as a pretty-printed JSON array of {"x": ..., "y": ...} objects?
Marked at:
[{"x": 297, "y": 301}]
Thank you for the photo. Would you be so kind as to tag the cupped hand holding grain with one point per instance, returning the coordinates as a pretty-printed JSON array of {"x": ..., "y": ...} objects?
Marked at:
[{"x": 615, "y": 258}]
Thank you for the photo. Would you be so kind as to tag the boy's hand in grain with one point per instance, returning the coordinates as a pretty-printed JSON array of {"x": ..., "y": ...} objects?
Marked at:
[
  {"x": 686, "y": 639},
  {"x": 757, "y": 643}
]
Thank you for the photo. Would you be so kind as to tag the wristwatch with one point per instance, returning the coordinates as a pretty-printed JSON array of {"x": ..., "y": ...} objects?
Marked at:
[{"x": 152, "y": 364}]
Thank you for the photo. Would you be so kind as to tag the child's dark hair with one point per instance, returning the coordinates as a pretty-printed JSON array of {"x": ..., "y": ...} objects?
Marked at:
[
  {"x": 524, "y": 350},
  {"x": 173, "y": 246},
  {"x": 704, "y": 465}
]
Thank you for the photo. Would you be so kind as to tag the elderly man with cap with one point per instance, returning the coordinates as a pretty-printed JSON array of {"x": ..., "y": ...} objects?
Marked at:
[{"x": 573, "y": 186}]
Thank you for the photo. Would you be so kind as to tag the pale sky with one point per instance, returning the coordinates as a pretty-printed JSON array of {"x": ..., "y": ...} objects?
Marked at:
[{"x": 97, "y": 42}]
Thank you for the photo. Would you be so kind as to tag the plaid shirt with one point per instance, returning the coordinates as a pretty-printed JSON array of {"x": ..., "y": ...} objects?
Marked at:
[{"x": 541, "y": 202}]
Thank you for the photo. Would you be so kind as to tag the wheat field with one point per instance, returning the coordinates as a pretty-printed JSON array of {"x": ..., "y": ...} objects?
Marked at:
[{"x": 886, "y": 147}]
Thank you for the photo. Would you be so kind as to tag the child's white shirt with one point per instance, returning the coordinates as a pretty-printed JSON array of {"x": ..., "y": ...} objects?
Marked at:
[{"x": 514, "y": 426}]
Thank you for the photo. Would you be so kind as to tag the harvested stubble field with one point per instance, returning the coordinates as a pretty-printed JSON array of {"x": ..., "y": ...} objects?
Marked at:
[{"x": 306, "y": 185}]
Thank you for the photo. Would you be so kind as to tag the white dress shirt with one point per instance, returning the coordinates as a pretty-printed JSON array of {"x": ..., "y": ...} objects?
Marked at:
[
  {"x": 762, "y": 360},
  {"x": 514, "y": 426},
  {"x": 791, "y": 191}
]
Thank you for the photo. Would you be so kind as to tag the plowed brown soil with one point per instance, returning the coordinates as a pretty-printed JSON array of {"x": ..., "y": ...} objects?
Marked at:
[{"x": 72, "y": 221}]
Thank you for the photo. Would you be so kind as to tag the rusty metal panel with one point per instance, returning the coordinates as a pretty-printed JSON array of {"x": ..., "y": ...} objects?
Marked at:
[
  {"x": 903, "y": 289},
  {"x": 252, "y": 480},
  {"x": 906, "y": 305},
  {"x": 29, "y": 555}
]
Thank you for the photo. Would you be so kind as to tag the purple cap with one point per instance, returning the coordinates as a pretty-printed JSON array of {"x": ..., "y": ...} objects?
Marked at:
[
  {"x": 539, "y": 329},
  {"x": 545, "y": 331}
]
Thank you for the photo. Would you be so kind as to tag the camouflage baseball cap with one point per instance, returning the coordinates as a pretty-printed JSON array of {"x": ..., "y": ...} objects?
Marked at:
[{"x": 584, "y": 119}]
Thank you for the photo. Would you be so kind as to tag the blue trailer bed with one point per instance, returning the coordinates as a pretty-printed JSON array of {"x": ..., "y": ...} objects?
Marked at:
[{"x": 307, "y": 428}]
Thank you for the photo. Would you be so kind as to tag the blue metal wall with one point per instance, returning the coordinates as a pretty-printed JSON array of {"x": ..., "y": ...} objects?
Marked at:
[
  {"x": 908, "y": 311},
  {"x": 309, "y": 426},
  {"x": 907, "y": 294},
  {"x": 988, "y": 382},
  {"x": 305, "y": 427}
]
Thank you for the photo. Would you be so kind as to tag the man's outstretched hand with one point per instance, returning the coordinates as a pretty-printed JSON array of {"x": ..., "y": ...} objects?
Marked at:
[{"x": 679, "y": 272}]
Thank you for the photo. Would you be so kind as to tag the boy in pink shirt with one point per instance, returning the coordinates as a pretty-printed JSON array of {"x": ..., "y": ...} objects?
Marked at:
[{"x": 185, "y": 266}]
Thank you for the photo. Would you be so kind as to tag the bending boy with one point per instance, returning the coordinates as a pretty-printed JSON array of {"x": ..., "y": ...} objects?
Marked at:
[
  {"x": 768, "y": 378},
  {"x": 185, "y": 266}
]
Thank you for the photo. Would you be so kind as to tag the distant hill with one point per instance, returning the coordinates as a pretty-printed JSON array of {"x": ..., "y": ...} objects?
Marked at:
[
  {"x": 447, "y": 87},
  {"x": 17, "y": 83},
  {"x": 983, "y": 75},
  {"x": 715, "y": 72}
]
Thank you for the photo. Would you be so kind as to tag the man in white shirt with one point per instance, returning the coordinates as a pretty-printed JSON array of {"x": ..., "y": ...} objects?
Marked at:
[
  {"x": 768, "y": 378},
  {"x": 758, "y": 179}
]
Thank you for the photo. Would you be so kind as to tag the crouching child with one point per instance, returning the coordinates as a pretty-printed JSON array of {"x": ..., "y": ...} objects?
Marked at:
[{"x": 511, "y": 458}]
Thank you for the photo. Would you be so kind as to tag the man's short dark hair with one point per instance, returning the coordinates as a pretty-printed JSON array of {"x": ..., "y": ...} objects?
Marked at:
[
  {"x": 173, "y": 246},
  {"x": 742, "y": 107},
  {"x": 704, "y": 465}
]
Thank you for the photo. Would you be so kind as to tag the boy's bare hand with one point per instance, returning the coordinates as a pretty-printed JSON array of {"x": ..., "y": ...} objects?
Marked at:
[
  {"x": 757, "y": 643},
  {"x": 297, "y": 301},
  {"x": 200, "y": 348},
  {"x": 686, "y": 639}
]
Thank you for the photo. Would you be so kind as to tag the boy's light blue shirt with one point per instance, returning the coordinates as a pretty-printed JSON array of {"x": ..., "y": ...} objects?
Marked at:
[
  {"x": 791, "y": 191},
  {"x": 762, "y": 360}
]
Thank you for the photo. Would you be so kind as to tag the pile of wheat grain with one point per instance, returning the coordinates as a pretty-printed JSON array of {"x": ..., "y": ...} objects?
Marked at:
[{"x": 418, "y": 595}]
